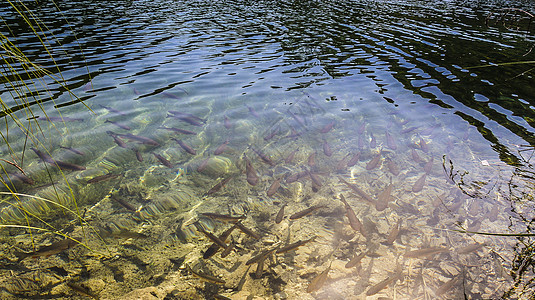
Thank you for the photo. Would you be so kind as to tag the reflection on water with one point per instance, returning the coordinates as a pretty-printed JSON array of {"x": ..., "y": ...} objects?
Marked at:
[{"x": 350, "y": 140}]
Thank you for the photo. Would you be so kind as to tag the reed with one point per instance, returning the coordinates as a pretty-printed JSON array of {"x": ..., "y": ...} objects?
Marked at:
[
  {"x": 27, "y": 83},
  {"x": 31, "y": 214}
]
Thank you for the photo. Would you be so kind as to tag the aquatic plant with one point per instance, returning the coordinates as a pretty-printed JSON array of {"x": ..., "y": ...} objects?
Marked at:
[
  {"x": 514, "y": 194},
  {"x": 511, "y": 19}
]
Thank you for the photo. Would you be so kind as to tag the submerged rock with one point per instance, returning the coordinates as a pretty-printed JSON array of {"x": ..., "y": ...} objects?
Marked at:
[{"x": 216, "y": 166}]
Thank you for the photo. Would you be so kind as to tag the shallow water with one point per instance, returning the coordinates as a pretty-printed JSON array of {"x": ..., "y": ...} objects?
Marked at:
[{"x": 389, "y": 81}]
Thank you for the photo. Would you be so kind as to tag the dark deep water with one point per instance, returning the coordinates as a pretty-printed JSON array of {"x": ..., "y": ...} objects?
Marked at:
[{"x": 443, "y": 144}]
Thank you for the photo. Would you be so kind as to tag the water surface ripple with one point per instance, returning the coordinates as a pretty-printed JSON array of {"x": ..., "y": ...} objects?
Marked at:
[{"x": 425, "y": 47}]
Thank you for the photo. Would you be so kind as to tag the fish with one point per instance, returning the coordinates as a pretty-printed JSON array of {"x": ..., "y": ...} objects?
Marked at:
[
  {"x": 64, "y": 119},
  {"x": 373, "y": 141},
  {"x": 119, "y": 142},
  {"x": 214, "y": 247},
  {"x": 122, "y": 126},
  {"x": 314, "y": 187},
  {"x": 68, "y": 166},
  {"x": 263, "y": 156},
  {"x": 470, "y": 248},
  {"x": 446, "y": 286},
  {"x": 393, "y": 167},
  {"x": 188, "y": 120},
  {"x": 291, "y": 156},
  {"x": 455, "y": 205},
  {"x": 113, "y": 110},
  {"x": 354, "y": 222},
  {"x": 319, "y": 280},
  {"x": 492, "y": 215},
  {"x": 47, "y": 251},
  {"x": 415, "y": 157},
  {"x": 296, "y": 176},
  {"x": 261, "y": 255},
  {"x": 328, "y": 127},
  {"x": 280, "y": 214},
  {"x": 294, "y": 246},
  {"x": 394, "y": 233},
  {"x": 218, "y": 186},
  {"x": 361, "y": 128},
  {"x": 383, "y": 198},
  {"x": 205, "y": 277},
  {"x": 223, "y": 218},
  {"x": 247, "y": 231},
  {"x": 360, "y": 192},
  {"x": 355, "y": 260},
  {"x": 187, "y": 115},
  {"x": 419, "y": 184},
  {"x": 103, "y": 177},
  {"x": 253, "y": 112},
  {"x": 185, "y": 146},
  {"x": 140, "y": 139},
  {"x": 381, "y": 285},
  {"x": 374, "y": 162},
  {"x": 221, "y": 147},
  {"x": 75, "y": 151},
  {"x": 390, "y": 142},
  {"x": 250, "y": 172},
  {"x": 259, "y": 268},
  {"x": 138, "y": 155},
  {"x": 298, "y": 119},
  {"x": 407, "y": 130},
  {"x": 306, "y": 212},
  {"x": 43, "y": 156},
  {"x": 360, "y": 142},
  {"x": 170, "y": 96},
  {"x": 428, "y": 166},
  {"x": 475, "y": 208},
  {"x": 425, "y": 252},
  {"x": 178, "y": 130},
  {"x": 82, "y": 290},
  {"x": 163, "y": 160},
  {"x": 440, "y": 199},
  {"x": 341, "y": 164},
  {"x": 123, "y": 203},
  {"x": 315, "y": 179},
  {"x": 327, "y": 150},
  {"x": 203, "y": 165},
  {"x": 227, "y": 251},
  {"x": 354, "y": 160},
  {"x": 23, "y": 178},
  {"x": 429, "y": 130},
  {"x": 273, "y": 132},
  {"x": 211, "y": 236},
  {"x": 274, "y": 187},
  {"x": 226, "y": 123},
  {"x": 402, "y": 122},
  {"x": 312, "y": 159},
  {"x": 293, "y": 134},
  {"x": 423, "y": 146}
]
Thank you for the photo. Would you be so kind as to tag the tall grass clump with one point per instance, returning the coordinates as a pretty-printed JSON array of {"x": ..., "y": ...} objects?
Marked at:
[{"x": 26, "y": 89}]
